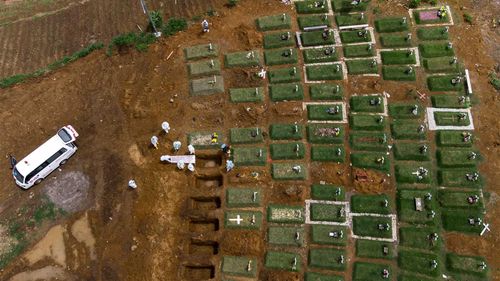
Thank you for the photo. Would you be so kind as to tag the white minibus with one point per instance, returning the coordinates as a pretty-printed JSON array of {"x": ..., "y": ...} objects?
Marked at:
[{"x": 33, "y": 168}]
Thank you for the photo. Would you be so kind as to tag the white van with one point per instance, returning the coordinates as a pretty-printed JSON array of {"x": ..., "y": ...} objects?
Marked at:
[{"x": 46, "y": 158}]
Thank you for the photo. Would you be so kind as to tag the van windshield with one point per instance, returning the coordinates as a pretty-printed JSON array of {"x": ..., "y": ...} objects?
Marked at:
[
  {"x": 64, "y": 135},
  {"x": 18, "y": 175}
]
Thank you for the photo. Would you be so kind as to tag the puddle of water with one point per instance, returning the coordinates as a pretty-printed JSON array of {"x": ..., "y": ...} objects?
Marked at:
[
  {"x": 83, "y": 233},
  {"x": 51, "y": 246},
  {"x": 44, "y": 273}
]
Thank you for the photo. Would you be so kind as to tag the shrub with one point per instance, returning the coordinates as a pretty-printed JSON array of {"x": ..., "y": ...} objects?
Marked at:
[
  {"x": 174, "y": 25},
  {"x": 414, "y": 3},
  {"x": 156, "y": 19},
  {"x": 232, "y": 3},
  {"x": 495, "y": 81},
  {"x": 468, "y": 18}
]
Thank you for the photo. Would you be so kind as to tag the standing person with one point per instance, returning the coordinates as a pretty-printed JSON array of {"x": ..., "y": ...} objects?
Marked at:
[{"x": 204, "y": 26}]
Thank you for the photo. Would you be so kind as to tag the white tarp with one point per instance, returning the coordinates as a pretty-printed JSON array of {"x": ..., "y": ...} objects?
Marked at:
[{"x": 174, "y": 159}]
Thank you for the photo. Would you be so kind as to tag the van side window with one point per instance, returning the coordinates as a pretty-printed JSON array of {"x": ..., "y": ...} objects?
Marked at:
[
  {"x": 56, "y": 155},
  {"x": 45, "y": 164}
]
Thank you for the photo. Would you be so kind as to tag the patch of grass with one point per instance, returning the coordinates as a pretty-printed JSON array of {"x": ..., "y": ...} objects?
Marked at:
[
  {"x": 250, "y": 220},
  {"x": 399, "y": 73},
  {"x": 451, "y": 119},
  {"x": 327, "y": 212},
  {"x": 283, "y": 260},
  {"x": 327, "y": 259},
  {"x": 357, "y": 67},
  {"x": 325, "y": 133},
  {"x": 326, "y": 91},
  {"x": 494, "y": 81},
  {"x": 444, "y": 83},
  {"x": 356, "y": 36},
  {"x": 408, "y": 130},
  {"x": 459, "y": 199},
  {"x": 450, "y": 101},
  {"x": 391, "y": 24},
  {"x": 316, "y": 38},
  {"x": 466, "y": 264},
  {"x": 291, "y": 150},
  {"x": 374, "y": 204},
  {"x": 278, "y": 40},
  {"x": 313, "y": 20},
  {"x": 274, "y": 22},
  {"x": 405, "y": 111},
  {"x": 249, "y": 156},
  {"x": 395, "y": 40},
  {"x": 368, "y": 226},
  {"x": 242, "y": 59},
  {"x": 313, "y": 276},
  {"x": 287, "y": 92},
  {"x": 407, "y": 212},
  {"x": 328, "y": 153},
  {"x": 320, "y": 234},
  {"x": 122, "y": 42},
  {"x": 405, "y": 173},
  {"x": 286, "y": 131},
  {"x": 453, "y": 139},
  {"x": 284, "y": 75},
  {"x": 323, "y": 54},
  {"x": 345, "y": 6},
  {"x": 468, "y": 18},
  {"x": 350, "y": 19},
  {"x": 369, "y": 271},
  {"x": 411, "y": 277},
  {"x": 420, "y": 238},
  {"x": 371, "y": 141},
  {"x": 322, "y": 112},
  {"x": 247, "y": 94},
  {"x": 46, "y": 211},
  {"x": 432, "y": 33},
  {"x": 285, "y": 236},
  {"x": 285, "y": 214},
  {"x": 433, "y": 50},
  {"x": 411, "y": 151},
  {"x": 174, "y": 25},
  {"x": 237, "y": 265},
  {"x": 327, "y": 192},
  {"x": 285, "y": 171},
  {"x": 370, "y": 104},
  {"x": 441, "y": 65},
  {"x": 351, "y": 51},
  {"x": 374, "y": 249},
  {"x": 243, "y": 197},
  {"x": 281, "y": 56},
  {"x": 201, "y": 51},
  {"x": 419, "y": 262},
  {"x": 398, "y": 57},
  {"x": 204, "y": 86},
  {"x": 457, "y": 178},
  {"x": 204, "y": 68},
  {"x": 458, "y": 220},
  {"x": 371, "y": 161},
  {"x": 365, "y": 122},
  {"x": 246, "y": 135},
  {"x": 324, "y": 72},
  {"x": 456, "y": 158},
  {"x": 311, "y": 7},
  {"x": 418, "y": 20}
]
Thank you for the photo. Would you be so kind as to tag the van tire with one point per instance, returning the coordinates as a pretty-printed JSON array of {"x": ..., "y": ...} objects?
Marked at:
[
  {"x": 63, "y": 162},
  {"x": 38, "y": 181}
]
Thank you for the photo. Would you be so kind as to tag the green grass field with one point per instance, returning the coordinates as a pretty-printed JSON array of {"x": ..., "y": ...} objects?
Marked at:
[
  {"x": 453, "y": 139},
  {"x": 358, "y": 67},
  {"x": 274, "y": 22},
  {"x": 314, "y": 276},
  {"x": 327, "y": 259},
  {"x": 250, "y": 220},
  {"x": 420, "y": 238},
  {"x": 204, "y": 68},
  {"x": 243, "y": 197},
  {"x": 408, "y": 130},
  {"x": 457, "y": 158},
  {"x": 364, "y": 271},
  {"x": 432, "y": 33},
  {"x": 458, "y": 199},
  {"x": 432, "y": 50},
  {"x": 325, "y": 112},
  {"x": 201, "y": 51},
  {"x": 325, "y": 133},
  {"x": 243, "y": 59},
  {"x": 320, "y": 234},
  {"x": 405, "y": 201},
  {"x": 441, "y": 65},
  {"x": 278, "y": 40},
  {"x": 345, "y": 6},
  {"x": 444, "y": 83},
  {"x": 249, "y": 156},
  {"x": 398, "y": 57},
  {"x": 370, "y": 141},
  {"x": 405, "y": 111},
  {"x": 284, "y": 75},
  {"x": 311, "y": 7},
  {"x": 324, "y": 72},
  {"x": 351, "y": 51},
  {"x": 391, "y": 24},
  {"x": 282, "y": 92},
  {"x": 286, "y": 131},
  {"x": 466, "y": 264},
  {"x": 374, "y": 249},
  {"x": 412, "y": 277},
  {"x": 283, "y": 261},
  {"x": 317, "y": 38},
  {"x": 450, "y": 101},
  {"x": 327, "y": 212},
  {"x": 246, "y": 135},
  {"x": 452, "y": 118},
  {"x": 313, "y": 20},
  {"x": 356, "y": 36},
  {"x": 418, "y": 262},
  {"x": 238, "y": 266},
  {"x": 369, "y": 226},
  {"x": 457, "y": 178},
  {"x": 284, "y": 171},
  {"x": 290, "y": 150},
  {"x": 350, "y": 19},
  {"x": 405, "y": 173},
  {"x": 327, "y": 192},
  {"x": 318, "y": 55},
  {"x": 374, "y": 204},
  {"x": 399, "y": 73},
  {"x": 395, "y": 40},
  {"x": 285, "y": 214},
  {"x": 326, "y": 91},
  {"x": 365, "y": 122},
  {"x": 458, "y": 221},
  {"x": 281, "y": 56},
  {"x": 285, "y": 236},
  {"x": 247, "y": 94},
  {"x": 411, "y": 151},
  {"x": 328, "y": 153},
  {"x": 370, "y": 104},
  {"x": 371, "y": 160}
]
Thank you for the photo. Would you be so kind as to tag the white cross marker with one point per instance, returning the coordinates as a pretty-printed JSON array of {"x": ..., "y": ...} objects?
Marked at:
[
  {"x": 486, "y": 228},
  {"x": 238, "y": 219}
]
